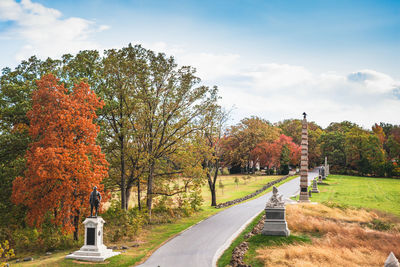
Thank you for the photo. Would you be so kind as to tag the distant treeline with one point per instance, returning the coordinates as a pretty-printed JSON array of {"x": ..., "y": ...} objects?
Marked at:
[{"x": 350, "y": 149}]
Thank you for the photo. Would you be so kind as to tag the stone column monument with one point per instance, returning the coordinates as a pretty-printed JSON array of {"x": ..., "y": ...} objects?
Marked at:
[
  {"x": 326, "y": 166},
  {"x": 275, "y": 221},
  {"x": 304, "y": 161}
]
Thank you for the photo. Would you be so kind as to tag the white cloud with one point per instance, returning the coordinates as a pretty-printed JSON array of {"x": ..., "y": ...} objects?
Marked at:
[
  {"x": 44, "y": 30},
  {"x": 277, "y": 91}
]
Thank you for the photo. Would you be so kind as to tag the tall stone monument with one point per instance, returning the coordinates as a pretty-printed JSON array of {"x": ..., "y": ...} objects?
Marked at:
[
  {"x": 275, "y": 221},
  {"x": 304, "y": 161}
]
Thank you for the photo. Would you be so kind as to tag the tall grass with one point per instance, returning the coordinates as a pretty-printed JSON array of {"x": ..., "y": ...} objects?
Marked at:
[{"x": 341, "y": 237}]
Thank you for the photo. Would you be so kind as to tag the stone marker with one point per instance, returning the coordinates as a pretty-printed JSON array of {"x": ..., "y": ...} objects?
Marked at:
[
  {"x": 319, "y": 179},
  {"x": 326, "y": 166},
  {"x": 314, "y": 187},
  {"x": 323, "y": 173},
  {"x": 391, "y": 261},
  {"x": 93, "y": 249},
  {"x": 304, "y": 162},
  {"x": 275, "y": 222}
]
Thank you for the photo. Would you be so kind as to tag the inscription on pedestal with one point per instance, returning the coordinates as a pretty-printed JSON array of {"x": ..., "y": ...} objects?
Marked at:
[
  {"x": 90, "y": 236},
  {"x": 275, "y": 215}
]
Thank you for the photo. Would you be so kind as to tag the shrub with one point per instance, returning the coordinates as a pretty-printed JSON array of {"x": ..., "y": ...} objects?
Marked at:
[{"x": 5, "y": 252}]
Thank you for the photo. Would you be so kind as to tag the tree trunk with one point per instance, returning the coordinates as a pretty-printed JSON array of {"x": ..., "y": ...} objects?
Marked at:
[
  {"x": 123, "y": 179},
  {"x": 212, "y": 190},
  {"x": 150, "y": 188},
  {"x": 127, "y": 195},
  {"x": 76, "y": 225},
  {"x": 138, "y": 194}
]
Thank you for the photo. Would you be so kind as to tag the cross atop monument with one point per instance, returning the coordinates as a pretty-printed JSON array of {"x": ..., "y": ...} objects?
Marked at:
[{"x": 304, "y": 114}]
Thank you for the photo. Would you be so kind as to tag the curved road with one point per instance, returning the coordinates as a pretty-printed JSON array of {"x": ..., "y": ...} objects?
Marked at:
[{"x": 202, "y": 244}]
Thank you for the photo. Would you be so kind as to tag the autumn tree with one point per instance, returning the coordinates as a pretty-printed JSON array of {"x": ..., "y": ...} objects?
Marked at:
[
  {"x": 292, "y": 128},
  {"x": 211, "y": 137},
  {"x": 244, "y": 137},
  {"x": 63, "y": 162},
  {"x": 280, "y": 153}
]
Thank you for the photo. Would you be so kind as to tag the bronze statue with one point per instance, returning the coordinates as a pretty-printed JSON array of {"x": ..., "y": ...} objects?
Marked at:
[{"x": 94, "y": 201}]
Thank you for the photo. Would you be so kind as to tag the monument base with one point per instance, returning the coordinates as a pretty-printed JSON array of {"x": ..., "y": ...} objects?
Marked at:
[
  {"x": 304, "y": 197},
  {"x": 275, "y": 223},
  {"x": 92, "y": 254},
  {"x": 94, "y": 249},
  {"x": 276, "y": 229}
]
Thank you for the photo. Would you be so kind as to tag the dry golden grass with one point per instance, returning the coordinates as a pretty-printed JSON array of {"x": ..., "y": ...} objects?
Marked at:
[{"x": 346, "y": 239}]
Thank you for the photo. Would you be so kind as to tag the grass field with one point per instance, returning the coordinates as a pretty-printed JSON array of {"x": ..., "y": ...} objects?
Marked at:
[
  {"x": 381, "y": 194},
  {"x": 151, "y": 237}
]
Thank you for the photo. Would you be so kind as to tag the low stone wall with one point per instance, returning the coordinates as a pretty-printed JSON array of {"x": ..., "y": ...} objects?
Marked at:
[
  {"x": 241, "y": 249},
  {"x": 238, "y": 200}
]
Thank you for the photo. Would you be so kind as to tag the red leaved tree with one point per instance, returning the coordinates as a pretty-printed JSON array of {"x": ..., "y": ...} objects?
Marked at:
[
  {"x": 269, "y": 154},
  {"x": 63, "y": 162}
]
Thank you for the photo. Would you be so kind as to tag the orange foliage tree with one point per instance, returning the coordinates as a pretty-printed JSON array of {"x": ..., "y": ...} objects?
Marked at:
[
  {"x": 63, "y": 161},
  {"x": 269, "y": 154}
]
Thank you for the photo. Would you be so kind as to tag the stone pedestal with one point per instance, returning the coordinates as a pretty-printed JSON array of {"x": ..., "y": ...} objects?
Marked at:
[
  {"x": 275, "y": 222},
  {"x": 314, "y": 187},
  {"x": 94, "y": 249}
]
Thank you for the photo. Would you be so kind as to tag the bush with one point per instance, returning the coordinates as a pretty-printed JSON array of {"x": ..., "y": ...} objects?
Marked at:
[
  {"x": 5, "y": 252},
  {"x": 284, "y": 170},
  {"x": 123, "y": 223}
]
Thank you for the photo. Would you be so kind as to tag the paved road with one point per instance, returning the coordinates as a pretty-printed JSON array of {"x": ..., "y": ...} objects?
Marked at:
[{"x": 202, "y": 244}]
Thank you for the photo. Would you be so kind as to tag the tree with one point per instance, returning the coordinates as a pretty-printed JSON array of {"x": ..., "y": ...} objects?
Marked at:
[
  {"x": 244, "y": 137},
  {"x": 292, "y": 128},
  {"x": 363, "y": 152},
  {"x": 211, "y": 137},
  {"x": 63, "y": 161},
  {"x": 279, "y": 153},
  {"x": 333, "y": 147},
  {"x": 16, "y": 87}
]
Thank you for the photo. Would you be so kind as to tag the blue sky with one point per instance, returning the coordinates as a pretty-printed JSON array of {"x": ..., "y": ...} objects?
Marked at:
[{"x": 272, "y": 59}]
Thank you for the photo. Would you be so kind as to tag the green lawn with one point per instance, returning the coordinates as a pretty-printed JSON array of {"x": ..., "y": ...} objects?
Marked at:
[
  {"x": 364, "y": 192},
  {"x": 155, "y": 235}
]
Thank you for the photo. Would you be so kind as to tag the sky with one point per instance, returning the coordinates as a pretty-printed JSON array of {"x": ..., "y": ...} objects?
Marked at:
[{"x": 336, "y": 60}]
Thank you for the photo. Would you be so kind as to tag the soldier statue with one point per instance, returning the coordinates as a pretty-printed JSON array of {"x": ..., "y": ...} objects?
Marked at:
[{"x": 94, "y": 201}]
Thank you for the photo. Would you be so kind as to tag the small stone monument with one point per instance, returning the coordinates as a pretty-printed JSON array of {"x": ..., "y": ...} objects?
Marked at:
[
  {"x": 391, "y": 261},
  {"x": 323, "y": 173},
  {"x": 320, "y": 179},
  {"x": 275, "y": 221},
  {"x": 314, "y": 187}
]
